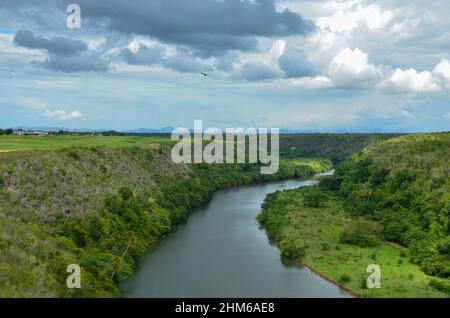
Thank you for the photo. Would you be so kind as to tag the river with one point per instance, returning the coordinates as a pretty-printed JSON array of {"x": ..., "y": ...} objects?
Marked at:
[{"x": 222, "y": 252}]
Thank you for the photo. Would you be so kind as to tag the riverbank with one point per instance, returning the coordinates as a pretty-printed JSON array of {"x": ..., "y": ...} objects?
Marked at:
[
  {"x": 236, "y": 260},
  {"x": 100, "y": 208},
  {"x": 312, "y": 235}
]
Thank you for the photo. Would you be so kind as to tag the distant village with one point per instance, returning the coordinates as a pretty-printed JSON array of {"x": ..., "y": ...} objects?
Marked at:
[{"x": 29, "y": 132}]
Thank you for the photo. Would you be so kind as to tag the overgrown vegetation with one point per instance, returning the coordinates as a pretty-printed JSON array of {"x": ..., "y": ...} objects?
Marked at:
[
  {"x": 395, "y": 191},
  {"x": 362, "y": 233},
  {"x": 404, "y": 184},
  {"x": 341, "y": 247},
  {"x": 336, "y": 147},
  {"x": 100, "y": 208}
]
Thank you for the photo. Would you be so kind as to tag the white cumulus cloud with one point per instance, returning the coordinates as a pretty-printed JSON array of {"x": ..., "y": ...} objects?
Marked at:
[
  {"x": 411, "y": 81},
  {"x": 442, "y": 72},
  {"x": 345, "y": 20},
  {"x": 63, "y": 114},
  {"x": 351, "y": 68}
]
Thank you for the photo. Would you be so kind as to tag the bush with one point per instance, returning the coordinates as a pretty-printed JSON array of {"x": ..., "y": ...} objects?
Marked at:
[
  {"x": 329, "y": 184},
  {"x": 363, "y": 283},
  {"x": 443, "y": 248},
  {"x": 73, "y": 155},
  {"x": 436, "y": 266},
  {"x": 125, "y": 193},
  {"x": 291, "y": 248},
  {"x": 345, "y": 278},
  {"x": 315, "y": 198},
  {"x": 363, "y": 233},
  {"x": 379, "y": 177},
  {"x": 441, "y": 286},
  {"x": 325, "y": 246}
]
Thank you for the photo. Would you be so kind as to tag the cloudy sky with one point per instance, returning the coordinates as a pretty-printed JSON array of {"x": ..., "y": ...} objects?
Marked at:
[{"x": 342, "y": 65}]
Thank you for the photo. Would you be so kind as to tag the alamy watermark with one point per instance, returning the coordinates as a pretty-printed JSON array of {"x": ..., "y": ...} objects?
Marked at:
[
  {"x": 374, "y": 279},
  {"x": 74, "y": 18},
  {"x": 74, "y": 279},
  {"x": 235, "y": 145}
]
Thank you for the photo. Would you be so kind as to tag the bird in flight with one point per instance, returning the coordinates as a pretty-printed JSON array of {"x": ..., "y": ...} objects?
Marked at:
[{"x": 204, "y": 74}]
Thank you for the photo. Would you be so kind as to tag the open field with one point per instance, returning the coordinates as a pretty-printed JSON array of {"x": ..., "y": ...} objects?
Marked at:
[
  {"x": 20, "y": 143},
  {"x": 319, "y": 229}
]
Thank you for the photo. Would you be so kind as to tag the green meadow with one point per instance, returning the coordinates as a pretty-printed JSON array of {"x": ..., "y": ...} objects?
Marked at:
[
  {"x": 20, "y": 143},
  {"x": 317, "y": 231}
]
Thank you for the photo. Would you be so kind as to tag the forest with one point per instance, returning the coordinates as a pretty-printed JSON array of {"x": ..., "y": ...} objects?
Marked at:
[
  {"x": 101, "y": 208},
  {"x": 404, "y": 185},
  {"x": 394, "y": 195}
]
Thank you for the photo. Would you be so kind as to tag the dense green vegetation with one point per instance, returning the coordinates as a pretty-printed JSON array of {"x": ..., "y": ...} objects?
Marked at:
[
  {"x": 341, "y": 247},
  {"x": 404, "y": 185},
  {"x": 6, "y": 131},
  {"x": 100, "y": 207},
  {"x": 395, "y": 191},
  {"x": 336, "y": 147}
]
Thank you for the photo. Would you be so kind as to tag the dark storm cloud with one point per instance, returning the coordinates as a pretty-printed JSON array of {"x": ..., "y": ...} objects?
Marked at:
[
  {"x": 199, "y": 29},
  {"x": 209, "y": 27},
  {"x": 156, "y": 56},
  {"x": 65, "y": 54},
  {"x": 56, "y": 45},
  {"x": 88, "y": 62}
]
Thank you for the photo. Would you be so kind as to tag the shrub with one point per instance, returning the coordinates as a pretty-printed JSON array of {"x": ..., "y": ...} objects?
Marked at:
[
  {"x": 443, "y": 248},
  {"x": 344, "y": 278},
  {"x": 363, "y": 283},
  {"x": 441, "y": 286},
  {"x": 315, "y": 198},
  {"x": 330, "y": 184},
  {"x": 125, "y": 193},
  {"x": 436, "y": 266},
  {"x": 379, "y": 176},
  {"x": 73, "y": 155},
  {"x": 325, "y": 246},
  {"x": 363, "y": 233},
  {"x": 291, "y": 248}
]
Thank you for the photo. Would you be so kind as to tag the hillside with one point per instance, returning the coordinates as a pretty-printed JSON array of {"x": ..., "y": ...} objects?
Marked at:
[
  {"x": 100, "y": 208},
  {"x": 336, "y": 147},
  {"x": 396, "y": 191},
  {"x": 404, "y": 184},
  {"x": 313, "y": 235}
]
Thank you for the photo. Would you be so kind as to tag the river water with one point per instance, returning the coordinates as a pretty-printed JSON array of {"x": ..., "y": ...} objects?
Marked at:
[{"x": 222, "y": 252}]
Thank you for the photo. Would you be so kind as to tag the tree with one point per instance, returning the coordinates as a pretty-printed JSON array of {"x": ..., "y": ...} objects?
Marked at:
[
  {"x": 363, "y": 233},
  {"x": 330, "y": 184},
  {"x": 315, "y": 198},
  {"x": 292, "y": 248},
  {"x": 132, "y": 239}
]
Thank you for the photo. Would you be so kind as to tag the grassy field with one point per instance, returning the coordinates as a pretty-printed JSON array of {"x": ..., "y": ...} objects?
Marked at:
[
  {"x": 319, "y": 229},
  {"x": 19, "y": 143}
]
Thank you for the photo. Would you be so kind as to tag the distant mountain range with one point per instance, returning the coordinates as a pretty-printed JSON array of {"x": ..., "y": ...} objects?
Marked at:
[
  {"x": 164, "y": 130},
  {"x": 169, "y": 130}
]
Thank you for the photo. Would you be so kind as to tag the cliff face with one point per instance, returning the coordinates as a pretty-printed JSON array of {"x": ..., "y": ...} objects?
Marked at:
[{"x": 99, "y": 208}]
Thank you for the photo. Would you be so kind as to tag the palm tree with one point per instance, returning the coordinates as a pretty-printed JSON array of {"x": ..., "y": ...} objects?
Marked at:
[{"x": 132, "y": 239}]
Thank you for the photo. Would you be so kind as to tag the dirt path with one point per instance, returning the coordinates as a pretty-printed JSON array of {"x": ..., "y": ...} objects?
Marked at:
[{"x": 4, "y": 151}]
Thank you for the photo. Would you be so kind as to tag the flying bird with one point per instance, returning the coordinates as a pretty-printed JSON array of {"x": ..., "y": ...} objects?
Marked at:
[{"x": 204, "y": 74}]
